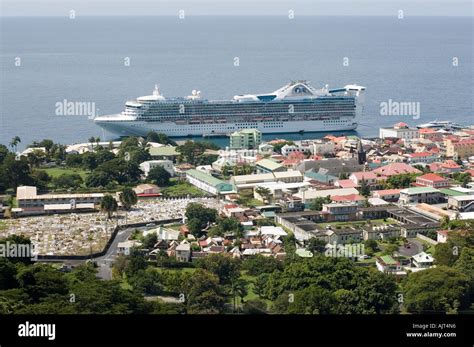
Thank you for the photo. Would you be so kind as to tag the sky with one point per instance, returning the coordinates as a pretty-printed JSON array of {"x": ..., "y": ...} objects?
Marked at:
[{"x": 236, "y": 7}]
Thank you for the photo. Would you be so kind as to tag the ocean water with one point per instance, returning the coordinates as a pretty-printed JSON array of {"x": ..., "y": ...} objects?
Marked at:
[{"x": 82, "y": 60}]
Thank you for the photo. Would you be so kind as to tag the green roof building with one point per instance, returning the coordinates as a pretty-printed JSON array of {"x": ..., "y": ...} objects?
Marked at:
[
  {"x": 269, "y": 166},
  {"x": 208, "y": 183},
  {"x": 245, "y": 139},
  {"x": 163, "y": 152}
]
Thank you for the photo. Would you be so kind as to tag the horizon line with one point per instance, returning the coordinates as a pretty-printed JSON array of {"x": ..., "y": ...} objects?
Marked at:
[{"x": 236, "y": 15}]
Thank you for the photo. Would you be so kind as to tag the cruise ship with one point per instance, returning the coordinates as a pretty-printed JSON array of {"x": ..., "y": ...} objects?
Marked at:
[{"x": 295, "y": 107}]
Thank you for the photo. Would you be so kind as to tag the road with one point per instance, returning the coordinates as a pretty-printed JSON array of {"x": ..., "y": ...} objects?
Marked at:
[
  {"x": 416, "y": 247},
  {"x": 105, "y": 262}
]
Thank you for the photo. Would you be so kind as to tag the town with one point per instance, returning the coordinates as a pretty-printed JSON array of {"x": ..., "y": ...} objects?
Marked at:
[{"x": 300, "y": 226}]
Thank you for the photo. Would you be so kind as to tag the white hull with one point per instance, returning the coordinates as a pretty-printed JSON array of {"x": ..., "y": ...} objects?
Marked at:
[{"x": 140, "y": 128}]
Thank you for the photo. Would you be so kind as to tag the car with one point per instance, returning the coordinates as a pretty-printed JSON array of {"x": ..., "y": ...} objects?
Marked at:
[
  {"x": 364, "y": 256},
  {"x": 407, "y": 245},
  {"x": 150, "y": 225}
]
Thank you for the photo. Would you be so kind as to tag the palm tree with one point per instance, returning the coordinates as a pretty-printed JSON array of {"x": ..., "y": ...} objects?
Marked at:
[
  {"x": 91, "y": 141},
  {"x": 14, "y": 142},
  {"x": 108, "y": 205},
  {"x": 97, "y": 140},
  {"x": 128, "y": 198},
  {"x": 239, "y": 289}
]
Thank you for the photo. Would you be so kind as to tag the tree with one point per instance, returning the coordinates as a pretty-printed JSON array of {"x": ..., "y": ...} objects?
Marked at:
[
  {"x": 89, "y": 161},
  {"x": 159, "y": 176},
  {"x": 128, "y": 198},
  {"x": 15, "y": 172},
  {"x": 390, "y": 249},
  {"x": 364, "y": 188},
  {"x": 400, "y": 181},
  {"x": 136, "y": 262},
  {"x": 98, "y": 179},
  {"x": 14, "y": 143},
  {"x": 35, "y": 158},
  {"x": 203, "y": 293},
  {"x": 373, "y": 291},
  {"x": 158, "y": 138},
  {"x": 40, "y": 179},
  {"x": 150, "y": 240},
  {"x": 65, "y": 180},
  {"x": 223, "y": 266},
  {"x": 238, "y": 289},
  {"x": 317, "y": 204},
  {"x": 371, "y": 246},
  {"x": 147, "y": 281},
  {"x": 40, "y": 281},
  {"x": 316, "y": 245},
  {"x": 3, "y": 153},
  {"x": 259, "y": 264},
  {"x": 465, "y": 265},
  {"x": 190, "y": 151},
  {"x": 121, "y": 170},
  {"x": 73, "y": 160},
  {"x": 445, "y": 222},
  {"x": 108, "y": 205},
  {"x": 436, "y": 290},
  {"x": 201, "y": 216},
  {"x": 233, "y": 225}
]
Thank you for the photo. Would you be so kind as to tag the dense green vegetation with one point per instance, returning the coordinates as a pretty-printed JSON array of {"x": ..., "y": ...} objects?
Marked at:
[{"x": 98, "y": 169}]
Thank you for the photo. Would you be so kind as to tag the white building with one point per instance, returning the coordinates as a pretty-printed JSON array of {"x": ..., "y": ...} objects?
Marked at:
[
  {"x": 400, "y": 131},
  {"x": 147, "y": 166},
  {"x": 422, "y": 260},
  {"x": 126, "y": 246}
]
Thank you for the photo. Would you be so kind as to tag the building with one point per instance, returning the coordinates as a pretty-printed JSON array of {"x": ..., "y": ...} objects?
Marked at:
[
  {"x": 323, "y": 147},
  {"x": 422, "y": 260},
  {"x": 461, "y": 203},
  {"x": 183, "y": 251},
  {"x": 269, "y": 166},
  {"x": 265, "y": 149},
  {"x": 124, "y": 248},
  {"x": 418, "y": 195},
  {"x": 395, "y": 169},
  {"x": 421, "y": 158},
  {"x": 461, "y": 149},
  {"x": 207, "y": 182},
  {"x": 166, "y": 164},
  {"x": 399, "y": 131},
  {"x": 249, "y": 182},
  {"x": 163, "y": 152},
  {"x": 342, "y": 236},
  {"x": 341, "y": 211},
  {"x": 245, "y": 139},
  {"x": 331, "y": 166},
  {"x": 442, "y": 236},
  {"x": 390, "y": 195},
  {"x": 387, "y": 264},
  {"x": 147, "y": 190},
  {"x": 289, "y": 149},
  {"x": 432, "y": 180},
  {"x": 308, "y": 196},
  {"x": 31, "y": 203}
]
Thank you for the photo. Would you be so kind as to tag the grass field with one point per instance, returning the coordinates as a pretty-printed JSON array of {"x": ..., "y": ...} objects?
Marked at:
[
  {"x": 56, "y": 171},
  {"x": 182, "y": 189}
]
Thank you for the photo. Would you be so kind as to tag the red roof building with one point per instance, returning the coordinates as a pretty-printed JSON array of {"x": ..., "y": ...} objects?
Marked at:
[
  {"x": 432, "y": 180},
  {"x": 347, "y": 198},
  {"x": 345, "y": 184},
  {"x": 396, "y": 169}
]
